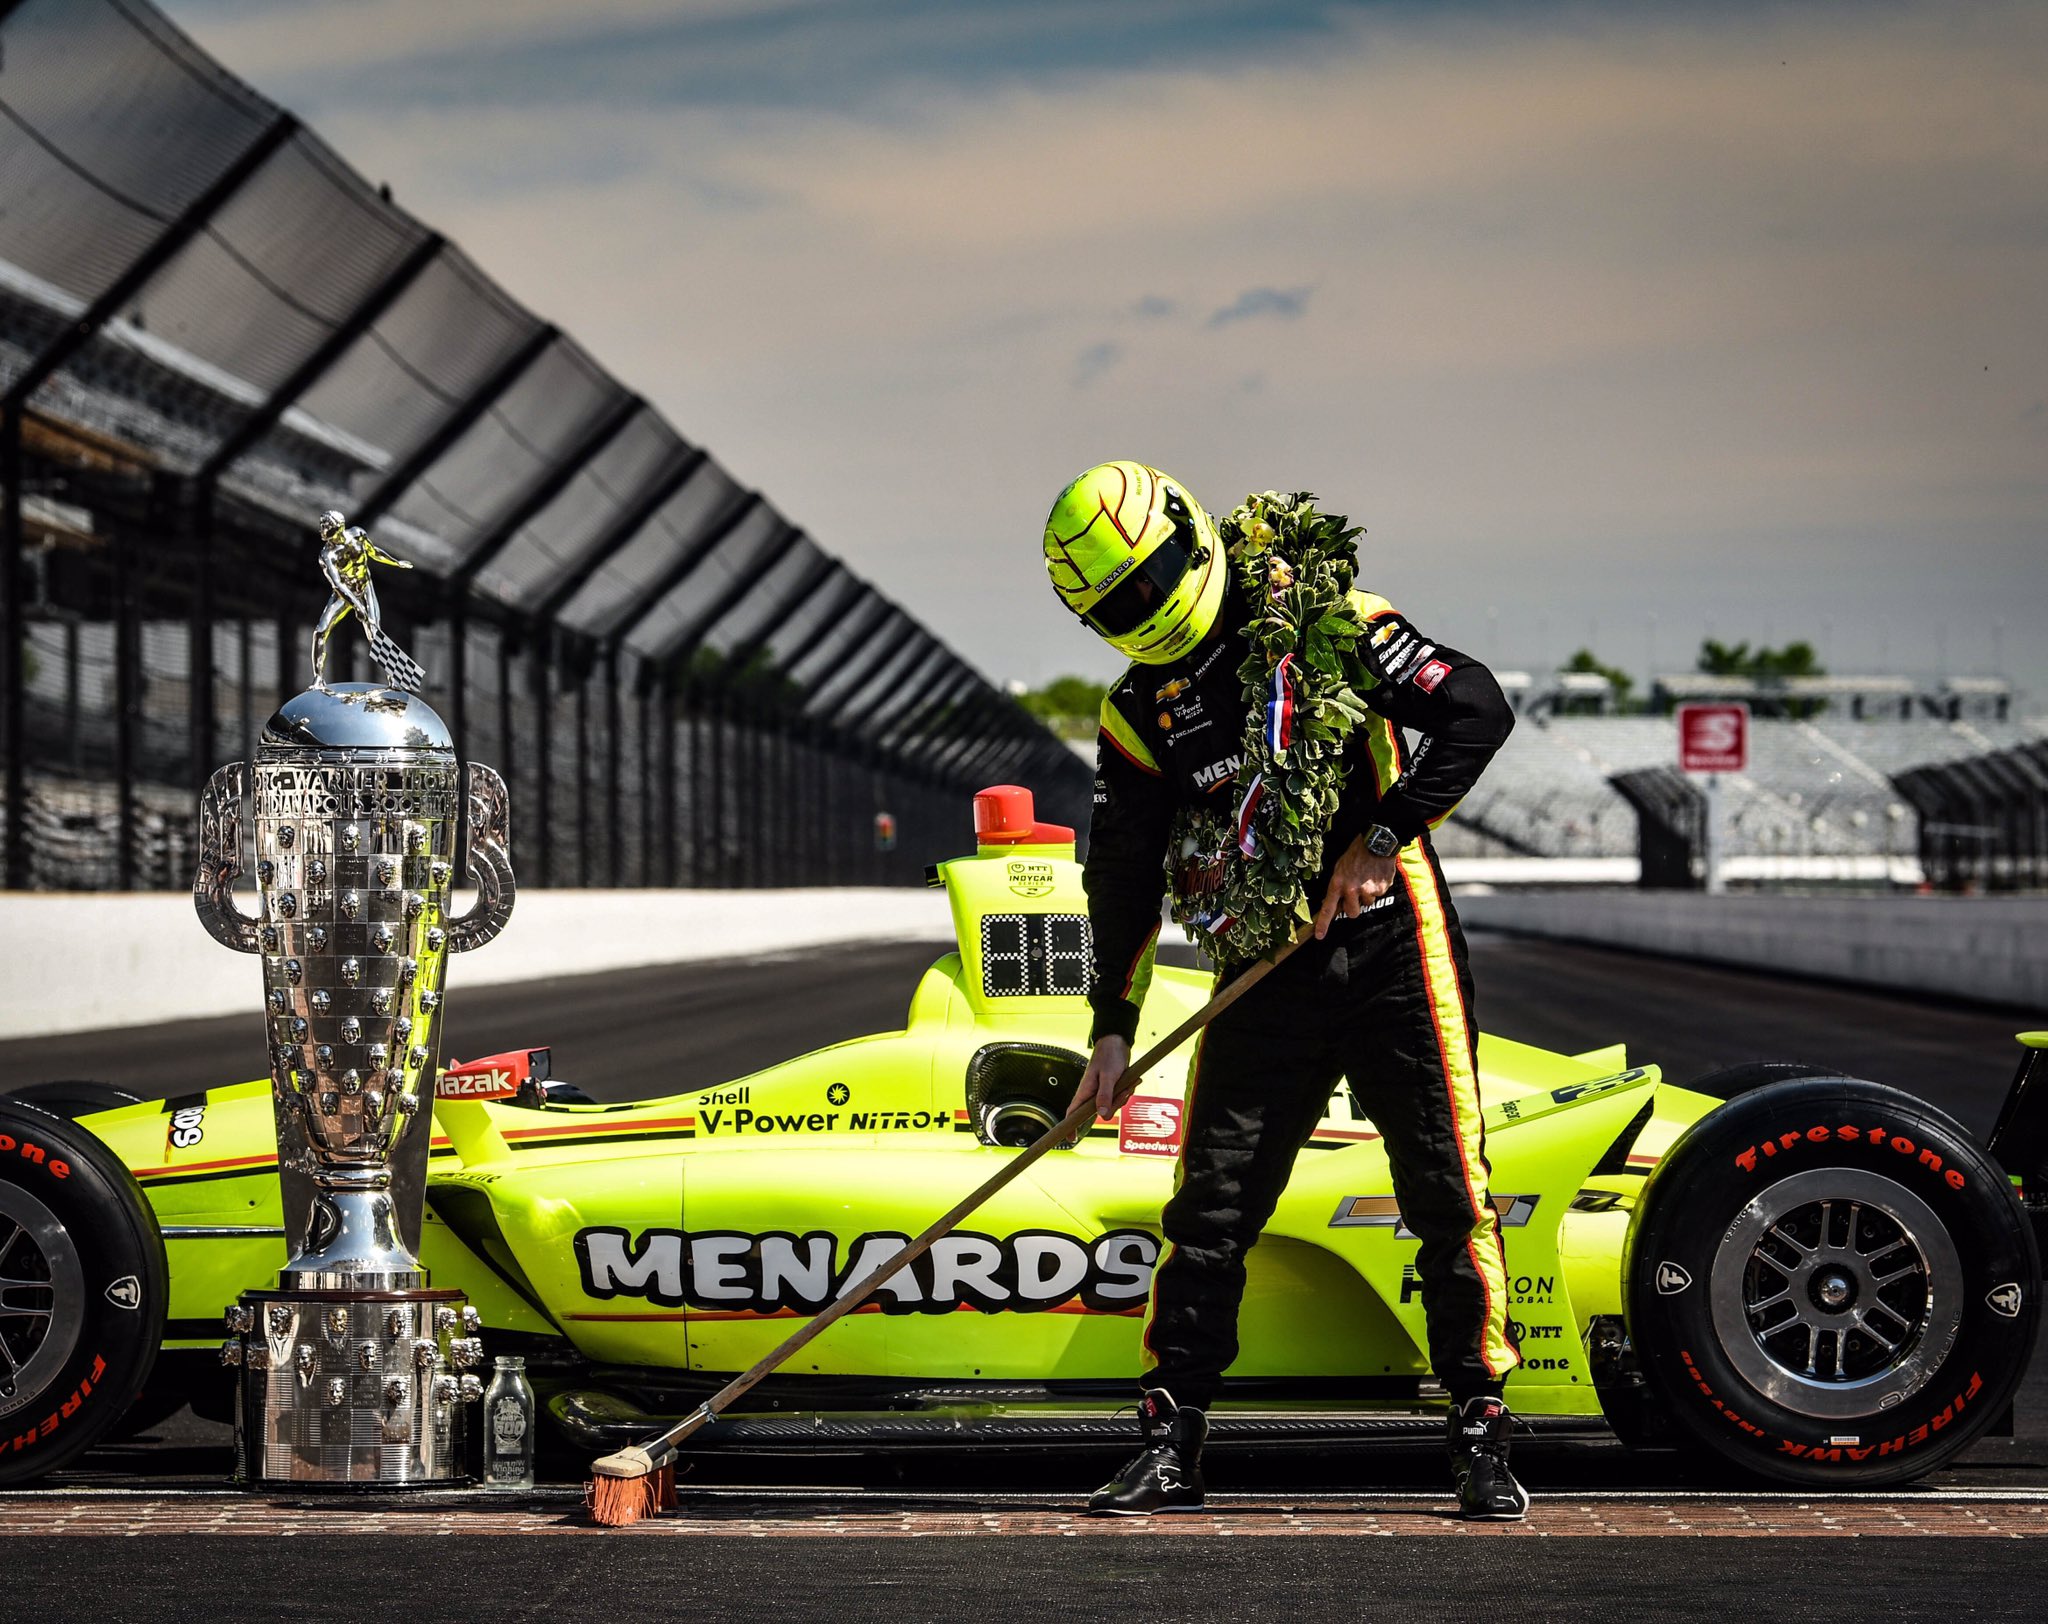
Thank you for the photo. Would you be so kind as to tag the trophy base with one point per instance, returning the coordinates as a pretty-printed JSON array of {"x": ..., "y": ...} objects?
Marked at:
[{"x": 352, "y": 1390}]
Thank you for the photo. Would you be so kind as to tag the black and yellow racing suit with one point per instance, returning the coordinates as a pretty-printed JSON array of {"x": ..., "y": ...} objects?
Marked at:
[{"x": 1384, "y": 1001}]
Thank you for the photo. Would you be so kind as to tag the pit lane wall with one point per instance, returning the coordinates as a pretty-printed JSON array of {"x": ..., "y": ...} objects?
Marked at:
[
  {"x": 84, "y": 961},
  {"x": 1991, "y": 950}
]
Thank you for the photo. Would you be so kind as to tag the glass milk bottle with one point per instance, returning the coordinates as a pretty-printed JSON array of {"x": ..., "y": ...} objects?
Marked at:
[{"x": 508, "y": 1426}]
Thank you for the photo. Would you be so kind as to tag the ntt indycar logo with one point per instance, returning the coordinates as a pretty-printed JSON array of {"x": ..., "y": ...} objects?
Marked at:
[{"x": 1029, "y": 1272}]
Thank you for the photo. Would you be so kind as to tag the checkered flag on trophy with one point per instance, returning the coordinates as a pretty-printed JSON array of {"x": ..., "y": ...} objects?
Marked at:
[{"x": 400, "y": 669}]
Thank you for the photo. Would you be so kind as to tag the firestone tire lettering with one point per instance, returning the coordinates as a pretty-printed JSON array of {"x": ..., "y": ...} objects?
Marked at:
[
  {"x": 1924, "y": 1411},
  {"x": 74, "y": 1392}
]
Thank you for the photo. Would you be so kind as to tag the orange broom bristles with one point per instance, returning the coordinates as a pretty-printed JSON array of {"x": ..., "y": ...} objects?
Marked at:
[{"x": 619, "y": 1502}]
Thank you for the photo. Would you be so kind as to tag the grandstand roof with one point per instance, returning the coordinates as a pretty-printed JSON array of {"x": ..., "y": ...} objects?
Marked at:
[{"x": 189, "y": 274}]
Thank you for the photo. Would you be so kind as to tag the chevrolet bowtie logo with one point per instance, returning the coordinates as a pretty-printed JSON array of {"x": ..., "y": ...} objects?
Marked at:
[{"x": 1383, "y": 1212}]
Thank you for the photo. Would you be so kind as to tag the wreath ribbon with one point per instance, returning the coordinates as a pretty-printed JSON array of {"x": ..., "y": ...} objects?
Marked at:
[{"x": 1301, "y": 676}]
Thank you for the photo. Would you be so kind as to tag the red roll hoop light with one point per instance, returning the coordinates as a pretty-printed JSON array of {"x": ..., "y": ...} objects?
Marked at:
[{"x": 1004, "y": 816}]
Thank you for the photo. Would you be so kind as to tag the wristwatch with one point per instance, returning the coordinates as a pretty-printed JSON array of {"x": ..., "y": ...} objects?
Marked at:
[{"x": 1380, "y": 841}]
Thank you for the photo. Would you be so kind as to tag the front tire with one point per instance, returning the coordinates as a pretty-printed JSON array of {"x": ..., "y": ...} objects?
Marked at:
[
  {"x": 1832, "y": 1285},
  {"x": 83, "y": 1291}
]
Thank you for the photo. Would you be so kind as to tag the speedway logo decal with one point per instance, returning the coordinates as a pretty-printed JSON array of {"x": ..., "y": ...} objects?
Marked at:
[
  {"x": 1150, "y": 1126},
  {"x": 1031, "y": 1271}
]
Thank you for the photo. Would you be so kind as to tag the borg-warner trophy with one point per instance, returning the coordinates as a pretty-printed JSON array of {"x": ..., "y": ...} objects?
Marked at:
[{"x": 352, "y": 1369}]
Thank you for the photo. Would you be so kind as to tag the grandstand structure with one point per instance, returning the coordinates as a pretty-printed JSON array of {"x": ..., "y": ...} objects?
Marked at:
[
  {"x": 1825, "y": 798},
  {"x": 211, "y": 329}
]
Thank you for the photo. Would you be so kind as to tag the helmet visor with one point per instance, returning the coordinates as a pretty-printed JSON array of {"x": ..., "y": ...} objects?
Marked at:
[{"x": 1145, "y": 590}]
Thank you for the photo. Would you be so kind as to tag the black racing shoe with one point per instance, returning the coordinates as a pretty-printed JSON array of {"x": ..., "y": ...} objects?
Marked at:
[
  {"x": 1167, "y": 1474},
  {"x": 1487, "y": 1490}
]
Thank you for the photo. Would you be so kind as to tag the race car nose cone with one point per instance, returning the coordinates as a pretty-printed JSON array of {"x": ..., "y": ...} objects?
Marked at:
[{"x": 357, "y": 716}]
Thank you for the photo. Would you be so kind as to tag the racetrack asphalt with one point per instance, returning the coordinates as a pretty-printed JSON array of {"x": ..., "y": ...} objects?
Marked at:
[{"x": 646, "y": 1032}]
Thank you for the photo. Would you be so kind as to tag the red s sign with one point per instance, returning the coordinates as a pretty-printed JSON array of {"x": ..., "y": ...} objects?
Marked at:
[
  {"x": 1713, "y": 738},
  {"x": 1151, "y": 1126}
]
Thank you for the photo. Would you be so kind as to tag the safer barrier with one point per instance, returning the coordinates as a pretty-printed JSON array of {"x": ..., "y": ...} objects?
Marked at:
[{"x": 1991, "y": 950}]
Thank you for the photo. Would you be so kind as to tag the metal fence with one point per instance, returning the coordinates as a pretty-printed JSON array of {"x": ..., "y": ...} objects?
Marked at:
[
  {"x": 211, "y": 328},
  {"x": 1983, "y": 819},
  {"x": 1671, "y": 827}
]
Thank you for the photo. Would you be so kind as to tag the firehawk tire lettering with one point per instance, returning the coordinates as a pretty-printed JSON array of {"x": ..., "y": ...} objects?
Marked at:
[
  {"x": 1858, "y": 1171},
  {"x": 1030, "y": 1271}
]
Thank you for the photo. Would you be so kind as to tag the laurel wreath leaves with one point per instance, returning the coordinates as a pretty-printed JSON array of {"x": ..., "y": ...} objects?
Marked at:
[{"x": 1295, "y": 567}]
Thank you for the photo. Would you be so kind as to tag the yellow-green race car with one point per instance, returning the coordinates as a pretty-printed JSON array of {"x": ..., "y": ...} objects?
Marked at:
[{"x": 1825, "y": 1281}]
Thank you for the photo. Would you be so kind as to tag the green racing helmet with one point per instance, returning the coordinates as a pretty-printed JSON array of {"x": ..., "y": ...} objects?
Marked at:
[{"x": 1134, "y": 555}]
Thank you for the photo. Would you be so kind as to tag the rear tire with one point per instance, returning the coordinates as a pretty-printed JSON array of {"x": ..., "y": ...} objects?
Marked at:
[
  {"x": 83, "y": 1291},
  {"x": 1849, "y": 1308}
]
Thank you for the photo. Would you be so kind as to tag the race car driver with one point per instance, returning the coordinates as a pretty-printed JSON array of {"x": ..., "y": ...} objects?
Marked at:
[{"x": 1382, "y": 996}]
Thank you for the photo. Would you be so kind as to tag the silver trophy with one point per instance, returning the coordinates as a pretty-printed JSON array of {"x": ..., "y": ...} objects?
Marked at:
[{"x": 351, "y": 1367}]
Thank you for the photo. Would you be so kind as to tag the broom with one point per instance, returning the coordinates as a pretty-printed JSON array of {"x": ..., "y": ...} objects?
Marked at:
[{"x": 640, "y": 1480}]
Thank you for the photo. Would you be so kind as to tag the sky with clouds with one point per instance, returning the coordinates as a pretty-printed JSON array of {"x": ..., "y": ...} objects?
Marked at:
[{"x": 1615, "y": 324}]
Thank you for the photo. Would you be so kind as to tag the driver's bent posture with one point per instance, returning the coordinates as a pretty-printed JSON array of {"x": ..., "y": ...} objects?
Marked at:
[{"x": 1381, "y": 997}]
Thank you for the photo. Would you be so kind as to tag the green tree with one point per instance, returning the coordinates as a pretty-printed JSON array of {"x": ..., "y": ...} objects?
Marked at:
[
  {"x": 1762, "y": 664},
  {"x": 1768, "y": 666},
  {"x": 1070, "y": 706},
  {"x": 1619, "y": 680}
]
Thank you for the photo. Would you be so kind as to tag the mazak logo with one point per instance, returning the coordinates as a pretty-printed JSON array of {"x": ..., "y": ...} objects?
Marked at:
[
  {"x": 1029, "y": 1272},
  {"x": 1150, "y": 1126},
  {"x": 1217, "y": 772},
  {"x": 492, "y": 1084}
]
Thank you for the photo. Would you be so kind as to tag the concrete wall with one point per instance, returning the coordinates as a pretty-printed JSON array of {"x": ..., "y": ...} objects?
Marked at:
[
  {"x": 71, "y": 963},
  {"x": 82, "y": 961},
  {"x": 1993, "y": 949}
]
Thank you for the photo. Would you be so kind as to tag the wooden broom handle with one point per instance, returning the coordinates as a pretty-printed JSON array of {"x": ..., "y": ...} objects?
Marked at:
[{"x": 1071, "y": 1125}]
